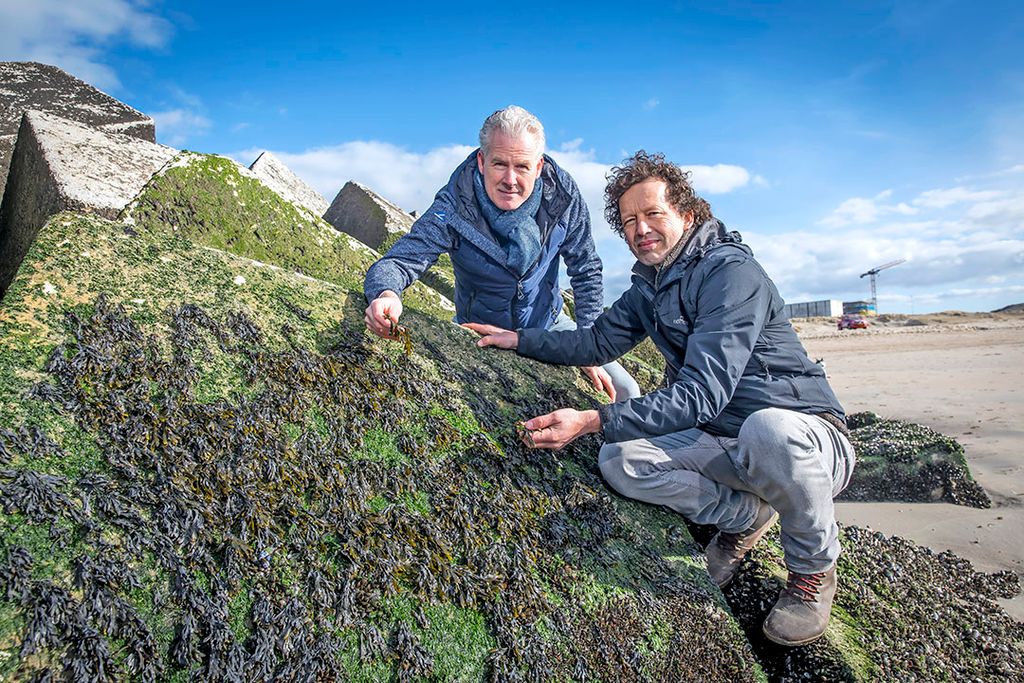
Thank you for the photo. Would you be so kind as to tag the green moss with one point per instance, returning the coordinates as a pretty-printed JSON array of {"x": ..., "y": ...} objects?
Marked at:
[
  {"x": 12, "y": 626},
  {"x": 210, "y": 200},
  {"x": 377, "y": 670},
  {"x": 463, "y": 420},
  {"x": 456, "y": 638},
  {"x": 847, "y": 633},
  {"x": 659, "y": 636},
  {"x": 379, "y": 446},
  {"x": 49, "y": 559},
  {"x": 238, "y": 612}
]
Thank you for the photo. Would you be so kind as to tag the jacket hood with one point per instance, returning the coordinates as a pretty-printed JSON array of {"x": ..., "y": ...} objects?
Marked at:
[{"x": 700, "y": 241}]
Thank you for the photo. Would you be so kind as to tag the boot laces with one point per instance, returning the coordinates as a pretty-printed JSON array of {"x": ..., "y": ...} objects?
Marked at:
[
  {"x": 804, "y": 586},
  {"x": 732, "y": 543}
]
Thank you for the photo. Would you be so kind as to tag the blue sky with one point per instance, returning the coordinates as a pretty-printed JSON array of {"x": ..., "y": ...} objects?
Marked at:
[{"x": 835, "y": 139}]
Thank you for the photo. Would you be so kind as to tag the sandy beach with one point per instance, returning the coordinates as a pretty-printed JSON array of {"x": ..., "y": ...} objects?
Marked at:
[{"x": 962, "y": 376}]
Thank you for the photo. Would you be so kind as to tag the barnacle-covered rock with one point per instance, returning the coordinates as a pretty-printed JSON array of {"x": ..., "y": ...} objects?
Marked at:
[
  {"x": 902, "y": 613},
  {"x": 902, "y": 461}
]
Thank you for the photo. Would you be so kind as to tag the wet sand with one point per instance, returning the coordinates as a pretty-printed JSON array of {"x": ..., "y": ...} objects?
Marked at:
[{"x": 965, "y": 383}]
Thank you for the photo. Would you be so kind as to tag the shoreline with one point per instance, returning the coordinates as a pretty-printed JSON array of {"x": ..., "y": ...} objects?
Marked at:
[{"x": 965, "y": 381}]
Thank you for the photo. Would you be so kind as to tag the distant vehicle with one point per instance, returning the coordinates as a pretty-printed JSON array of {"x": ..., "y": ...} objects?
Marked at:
[{"x": 852, "y": 321}]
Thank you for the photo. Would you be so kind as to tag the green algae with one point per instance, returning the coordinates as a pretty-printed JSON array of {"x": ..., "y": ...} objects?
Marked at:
[{"x": 210, "y": 200}]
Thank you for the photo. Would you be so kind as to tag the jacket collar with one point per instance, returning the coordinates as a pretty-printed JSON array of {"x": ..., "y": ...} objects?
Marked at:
[{"x": 700, "y": 241}]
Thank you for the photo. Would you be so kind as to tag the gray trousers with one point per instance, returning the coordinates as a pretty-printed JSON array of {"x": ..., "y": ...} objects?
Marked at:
[
  {"x": 625, "y": 385},
  {"x": 795, "y": 462}
]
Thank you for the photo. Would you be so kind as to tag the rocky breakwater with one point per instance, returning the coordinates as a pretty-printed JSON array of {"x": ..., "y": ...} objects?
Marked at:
[{"x": 209, "y": 470}]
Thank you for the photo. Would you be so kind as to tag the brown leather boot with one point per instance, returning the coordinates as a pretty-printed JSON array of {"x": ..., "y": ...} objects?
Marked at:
[
  {"x": 726, "y": 551},
  {"x": 800, "y": 615}
]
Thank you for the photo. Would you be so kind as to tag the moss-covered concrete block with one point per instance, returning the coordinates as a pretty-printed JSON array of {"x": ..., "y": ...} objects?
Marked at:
[
  {"x": 211, "y": 469},
  {"x": 282, "y": 180},
  {"x": 60, "y": 165},
  {"x": 216, "y": 202}
]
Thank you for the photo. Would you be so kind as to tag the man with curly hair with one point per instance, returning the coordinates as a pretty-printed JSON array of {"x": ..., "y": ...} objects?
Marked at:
[
  {"x": 746, "y": 429},
  {"x": 507, "y": 216}
]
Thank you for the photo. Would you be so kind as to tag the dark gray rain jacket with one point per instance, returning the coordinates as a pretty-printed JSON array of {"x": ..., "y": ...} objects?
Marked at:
[{"x": 717, "y": 318}]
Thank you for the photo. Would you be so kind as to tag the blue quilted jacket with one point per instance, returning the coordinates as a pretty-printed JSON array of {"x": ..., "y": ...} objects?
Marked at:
[{"x": 486, "y": 290}]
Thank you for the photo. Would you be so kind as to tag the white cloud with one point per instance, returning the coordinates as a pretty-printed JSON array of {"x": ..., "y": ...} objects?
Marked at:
[
  {"x": 409, "y": 179},
  {"x": 72, "y": 35},
  {"x": 865, "y": 210},
  {"x": 998, "y": 212},
  {"x": 940, "y": 199},
  {"x": 964, "y": 246},
  {"x": 589, "y": 175},
  {"x": 1003, "y": 172},
  {"x": 175, "y": 127},
  {"x": 718, "y": 179},
  {"x": 652, "y": 103}
]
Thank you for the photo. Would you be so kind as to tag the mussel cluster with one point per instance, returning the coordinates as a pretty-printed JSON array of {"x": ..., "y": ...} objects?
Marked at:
[
  {"x": 902, "y": 461},
  {"x": 912, "y": 614},
  {"x": 328, "y": 516}
]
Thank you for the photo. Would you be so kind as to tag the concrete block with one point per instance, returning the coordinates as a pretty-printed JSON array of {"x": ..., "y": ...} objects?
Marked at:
[
  {"x": 59, "y": 165},
  {"x": 32, "y": 86},
  {"x": 359, "y": 211},
  {"x": 279, "y": 178}
]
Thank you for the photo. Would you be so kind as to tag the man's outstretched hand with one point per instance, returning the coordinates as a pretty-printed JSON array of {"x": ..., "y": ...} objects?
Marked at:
[
  {"x": 556, "y": 429},
  {"x": 492, "y": 335},
  {"x": 382, "y": 315}
]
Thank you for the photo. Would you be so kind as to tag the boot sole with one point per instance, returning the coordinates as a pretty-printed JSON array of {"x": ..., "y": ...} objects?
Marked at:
[{"x": 789, "y": 643}]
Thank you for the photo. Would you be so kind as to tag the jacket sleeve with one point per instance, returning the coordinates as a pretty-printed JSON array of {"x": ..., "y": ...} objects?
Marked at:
[
  {"x": 731, "y": 303},
  {"x": 413, "y": 253},
  {"x": 615, "y": 332},
  {"x": 582, "y": 263}
]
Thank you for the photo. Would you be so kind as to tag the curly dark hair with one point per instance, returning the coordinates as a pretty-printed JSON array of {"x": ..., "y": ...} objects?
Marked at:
[{"x": 643, "y": 166}]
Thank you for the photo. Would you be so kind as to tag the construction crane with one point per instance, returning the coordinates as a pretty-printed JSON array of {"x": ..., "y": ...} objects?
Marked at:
[{"x": 873, "y": 272}]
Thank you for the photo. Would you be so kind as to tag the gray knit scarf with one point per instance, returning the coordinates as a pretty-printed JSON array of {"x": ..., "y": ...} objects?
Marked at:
[{"x": 516, "y": 230}]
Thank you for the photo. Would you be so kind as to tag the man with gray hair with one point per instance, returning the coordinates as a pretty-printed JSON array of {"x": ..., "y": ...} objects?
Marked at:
[{"x": 506, "y": 216}]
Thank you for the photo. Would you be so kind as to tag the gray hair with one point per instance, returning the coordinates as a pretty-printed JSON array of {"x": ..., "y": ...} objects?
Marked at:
[{"x": 514, "y": 122}]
